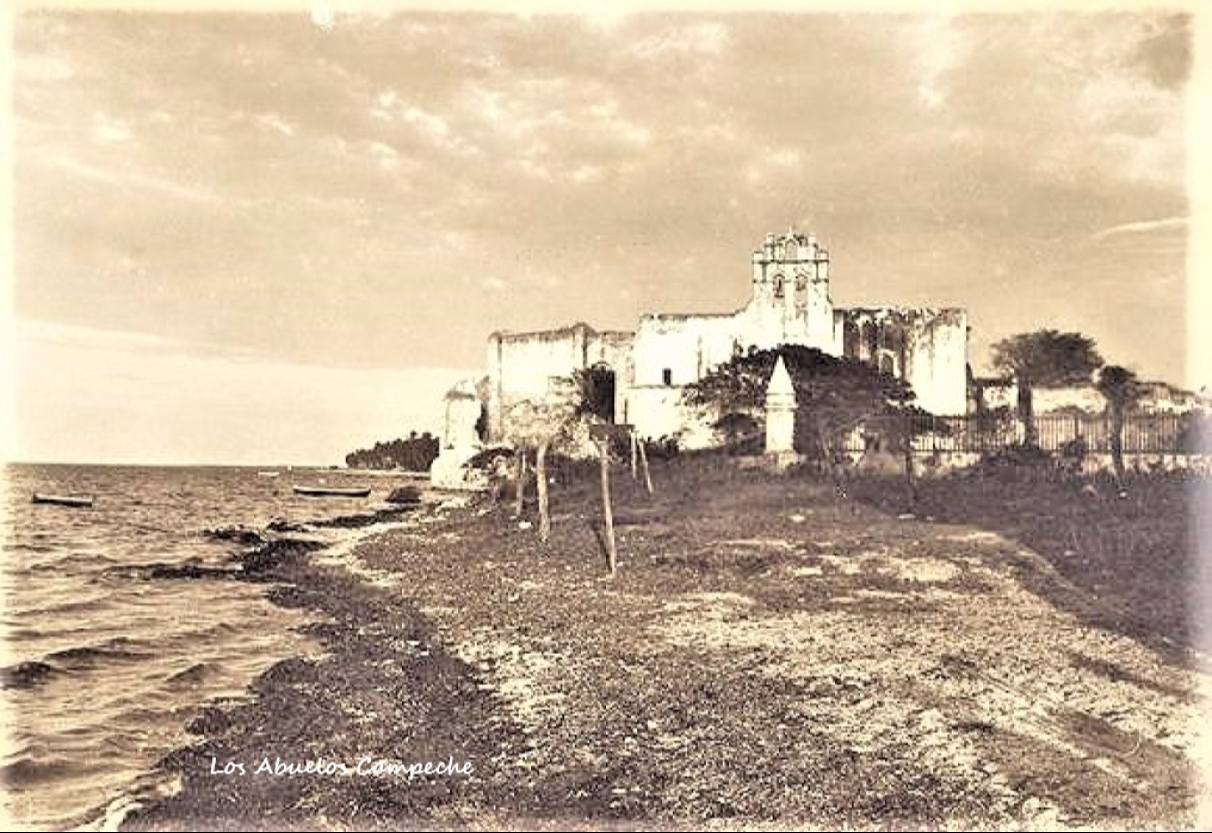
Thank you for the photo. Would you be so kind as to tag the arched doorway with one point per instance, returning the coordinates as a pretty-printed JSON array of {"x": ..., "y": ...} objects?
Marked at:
[
  {"x": 597, "y": 391},
  {"x": 850, "y": 340},
  {"x": 870, "y": 341}
]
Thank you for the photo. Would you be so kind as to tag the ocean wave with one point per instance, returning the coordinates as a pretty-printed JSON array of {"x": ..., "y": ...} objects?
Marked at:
[
  {"x": 27, "y": 770},
  {"x": 18, "y": 547},
  {"x": 88, "y": 656},
  {"x": 239, "y": 534},
  {"x": 191, "y": 637},
  {"x": 197, "y": 673},
  {"x": 26, "y": 674},
  {"x": 68, "y": 561},
  {"x": 164, "y": 570},
  {"x": 76, "y": 606}
]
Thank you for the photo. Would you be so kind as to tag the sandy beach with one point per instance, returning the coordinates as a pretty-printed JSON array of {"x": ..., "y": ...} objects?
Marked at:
[{"x": 774, "y": 652}]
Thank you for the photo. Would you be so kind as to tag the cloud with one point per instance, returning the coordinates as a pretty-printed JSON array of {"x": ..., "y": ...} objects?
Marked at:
[
  {"x": 939, "y": 144},
  {"x": 132, "y": 179},
  {"x": 435, "y": 126},
  {"x": 43, "y": 68},
  {"x": 682, "y": 41},
  {"x": 109, "y": 130},
  {"x": 274, "y": 122},
  {"x": 1165, "y": 53},
  {"x": 940, "y": 49},
  {"x": 1143, "y": 226}
]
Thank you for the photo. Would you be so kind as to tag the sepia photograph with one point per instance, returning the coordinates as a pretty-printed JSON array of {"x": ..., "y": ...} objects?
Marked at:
[{"x": 605, "y": 416}]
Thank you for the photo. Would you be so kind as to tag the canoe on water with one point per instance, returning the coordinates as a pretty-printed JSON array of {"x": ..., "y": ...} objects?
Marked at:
[
  {"x": 64, "y": 500},
  {"x": 329, "y": 491}
]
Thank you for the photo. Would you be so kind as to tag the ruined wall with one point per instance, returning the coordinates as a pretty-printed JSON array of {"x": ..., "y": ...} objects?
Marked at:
[
  {"x": 1084, "y": 398},
  {"x": 928, "y": 348},
  {"x": 687, "y": 346},
  {"x": 523, "y": 365},
  {"x": 937, "y": 360},
  {"x": 1155, "y": 398},
  {"x": 657, "y": 411}
]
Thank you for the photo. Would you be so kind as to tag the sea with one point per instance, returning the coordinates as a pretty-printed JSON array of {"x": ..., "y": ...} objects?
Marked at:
[{"x": 108, "y": 650}]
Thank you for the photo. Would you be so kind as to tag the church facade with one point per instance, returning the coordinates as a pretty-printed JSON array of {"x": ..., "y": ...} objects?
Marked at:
[{"x": 789, "y": 303}]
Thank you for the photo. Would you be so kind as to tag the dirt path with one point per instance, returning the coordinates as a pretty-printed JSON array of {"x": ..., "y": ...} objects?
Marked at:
[{"x": 769, "y": 655}]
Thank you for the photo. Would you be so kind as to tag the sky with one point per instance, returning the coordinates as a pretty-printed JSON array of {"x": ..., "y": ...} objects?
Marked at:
[{"x": 271, "y": 238}]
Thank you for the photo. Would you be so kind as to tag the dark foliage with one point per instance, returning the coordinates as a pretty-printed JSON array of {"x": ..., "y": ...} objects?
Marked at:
[
  {"x": 1048, "y": 358},
  {"x": 416, "y": 453},
  {"x": 742, "y": 433},
  {"x": 833, "y": 394},
  {"x": 662, "y": 448},
  {"x": 1016, "y": 456},
  {"x": 1196, "y": 434},
  {"x": 596, "y": 387}
]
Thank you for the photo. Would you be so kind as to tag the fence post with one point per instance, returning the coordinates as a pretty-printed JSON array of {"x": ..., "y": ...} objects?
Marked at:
[{"x": 612, "y": 553}]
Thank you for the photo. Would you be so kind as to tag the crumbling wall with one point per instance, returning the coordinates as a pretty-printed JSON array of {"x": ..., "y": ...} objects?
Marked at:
[
  {"x": 687, "y": 346},
  {"x": 658, "y": 411},
  {"x": 526, "y": 365},
  {"x": 928, "y": 348}
]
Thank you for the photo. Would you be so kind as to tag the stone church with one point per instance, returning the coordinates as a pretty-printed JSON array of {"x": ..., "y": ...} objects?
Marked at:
[{"x": 789, "y": 304}]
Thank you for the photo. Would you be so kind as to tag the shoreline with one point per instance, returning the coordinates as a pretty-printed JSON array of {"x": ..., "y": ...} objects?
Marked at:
[
  {"x": 277, "y": 729},
  {"x": 269, "y": 557},
  {"x": 737, "y": 672}
]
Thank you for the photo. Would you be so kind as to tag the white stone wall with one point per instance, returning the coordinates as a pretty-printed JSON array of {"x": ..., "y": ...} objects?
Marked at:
[
  {"x": 524, "y": 365},
  {"x": 687, "y": 346},
  {"x": 947, "y": 393},
  {"x": 1085, "y": 398},
  {"x": 936, "y": 360},
  {"x": 659, "y": 412}
]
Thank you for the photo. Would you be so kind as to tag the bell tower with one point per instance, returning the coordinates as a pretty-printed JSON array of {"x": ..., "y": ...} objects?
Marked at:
[{"x": 791, "y": 289}]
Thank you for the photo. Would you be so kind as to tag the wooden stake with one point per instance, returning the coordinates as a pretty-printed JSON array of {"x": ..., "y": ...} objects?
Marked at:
[
  {"x": 644, "y": 463},
  {"x": 908, "y": 449},
  {"x": 540, "y": 469},
  {"x": 520, "y": 472},
  {"x": 631, "y": 436},
  {"x": 612, "y": 555}
]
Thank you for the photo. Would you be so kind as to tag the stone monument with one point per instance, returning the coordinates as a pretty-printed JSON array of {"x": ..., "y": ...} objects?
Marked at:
[
  {"x": 780, "y": 416},
  {"x": 460, "y": 440}
]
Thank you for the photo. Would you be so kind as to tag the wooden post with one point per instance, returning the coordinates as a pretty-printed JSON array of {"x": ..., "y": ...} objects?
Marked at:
[
  {"x": 631, "y": 436},
  {"x": 644, "y": 464},
  {"x": 520, "y": 472},
  {"x": 612, "y": 554},
  {"x": 908, "y": 450},
  {"x": 540, "y": 470}
]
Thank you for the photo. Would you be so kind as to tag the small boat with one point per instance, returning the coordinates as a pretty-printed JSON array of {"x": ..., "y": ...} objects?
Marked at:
[
  {"x": 268, "y": 473},
  {"x": 330, "y": 491},
  {"x": 64, "y": 500}
]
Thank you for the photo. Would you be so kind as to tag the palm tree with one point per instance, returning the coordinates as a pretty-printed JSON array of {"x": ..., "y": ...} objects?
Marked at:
[{"x": 1120, "y": 387}]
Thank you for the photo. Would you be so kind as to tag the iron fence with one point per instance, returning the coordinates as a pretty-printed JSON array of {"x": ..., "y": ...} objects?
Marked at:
[{"x": 1147, "y": 433}]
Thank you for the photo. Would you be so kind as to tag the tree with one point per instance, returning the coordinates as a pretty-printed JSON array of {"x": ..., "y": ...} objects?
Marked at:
[
  {"x": 833, "y": 394},
  {"x": 595, "y": 387},
  {"x": 534, "y": 427},
  {"x": 738, "y": 428},
  {"x": 1121, "y": 388},
  {"x": 416, "y": 453},
  {"x": 1048, "y": 358},
  {"x": 1044, "y": 358}
]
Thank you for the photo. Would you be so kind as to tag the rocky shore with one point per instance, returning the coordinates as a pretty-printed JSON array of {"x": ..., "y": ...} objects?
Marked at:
[{"x": 771, "y": 654}]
